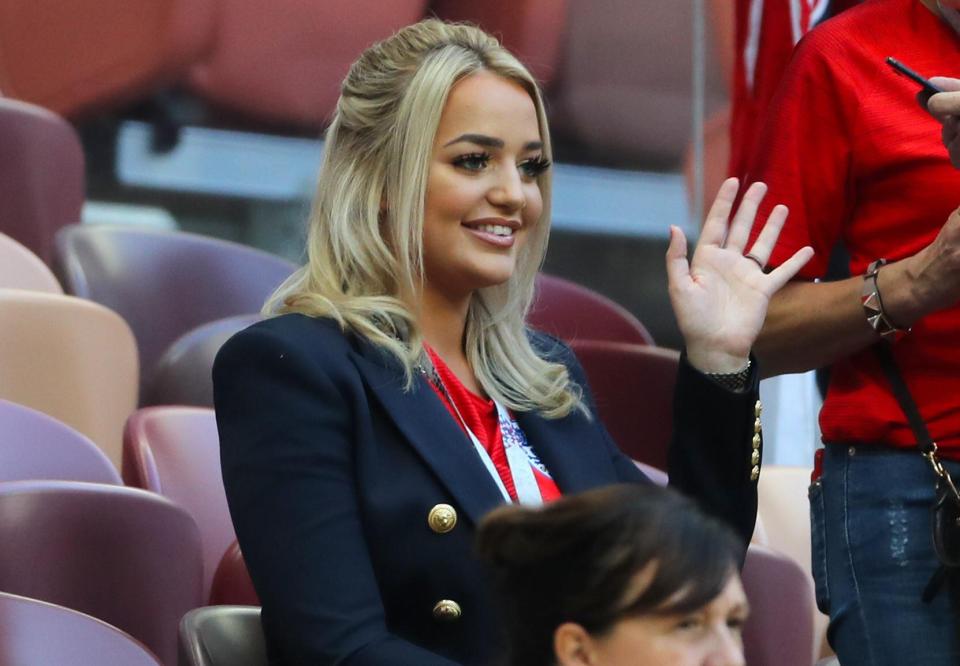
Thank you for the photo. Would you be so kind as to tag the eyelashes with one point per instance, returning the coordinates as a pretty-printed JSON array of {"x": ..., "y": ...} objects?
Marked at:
[{"x": 530, "y": 168}]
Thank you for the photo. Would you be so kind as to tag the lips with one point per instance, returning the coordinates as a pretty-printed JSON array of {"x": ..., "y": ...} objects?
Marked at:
[{"x": 494, "y": 230}]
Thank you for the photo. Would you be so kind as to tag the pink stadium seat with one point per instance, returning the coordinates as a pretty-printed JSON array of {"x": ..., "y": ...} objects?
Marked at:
[
  {"x": 35, "y": 446},
  {"x": 164, "y": 283},
  {"x": 175, "y": 451},
  {"x": 633, "y": 389},
  {"x": 36, "y": 632},
  {"x": 22, "y": 269},
  {"x": 531, "y": 29},
  {"x": 283, "y": 61},
  {"x": 98, "y": 55},
  {"x": 126, "y": 556},
  {"x": 42, "y": 178},
  {"x": 780, "y": 629},
  {"x": 572, "y": 312}
]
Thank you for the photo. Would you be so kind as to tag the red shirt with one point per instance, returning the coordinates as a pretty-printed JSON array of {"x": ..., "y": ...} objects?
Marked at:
[
  {"x": 480, "y": 415},
  {"x": 846, "y": 146}
]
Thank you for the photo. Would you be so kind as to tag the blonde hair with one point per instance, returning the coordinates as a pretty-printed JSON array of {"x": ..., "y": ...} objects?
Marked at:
[{"x": 362, "y": 255}]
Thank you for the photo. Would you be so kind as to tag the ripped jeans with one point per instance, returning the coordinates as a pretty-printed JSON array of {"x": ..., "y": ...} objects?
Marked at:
[{"x": 873, "y": 556}]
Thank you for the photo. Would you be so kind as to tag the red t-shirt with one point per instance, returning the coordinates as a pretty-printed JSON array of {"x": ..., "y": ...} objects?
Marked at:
[
  {"x": 846, "y": 146},
  {"x": 480, "y": 416}
]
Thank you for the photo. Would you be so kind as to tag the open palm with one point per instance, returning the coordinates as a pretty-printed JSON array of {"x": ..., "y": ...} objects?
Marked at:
[{"x": 720, "y": 298}]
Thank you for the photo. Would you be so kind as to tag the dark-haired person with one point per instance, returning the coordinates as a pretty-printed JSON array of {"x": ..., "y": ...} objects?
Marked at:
[
  {"x": 859, "y": 162},
  {"x": 625, "y": 575},
  {"x": 397, "y": 395}
]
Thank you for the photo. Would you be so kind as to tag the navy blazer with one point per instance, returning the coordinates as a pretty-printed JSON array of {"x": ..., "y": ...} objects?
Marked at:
[{"x": 331, "y": 469}]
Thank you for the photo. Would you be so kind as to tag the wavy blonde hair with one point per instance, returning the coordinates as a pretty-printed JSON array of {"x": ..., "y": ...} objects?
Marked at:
[{"x": 362, "y": 255}]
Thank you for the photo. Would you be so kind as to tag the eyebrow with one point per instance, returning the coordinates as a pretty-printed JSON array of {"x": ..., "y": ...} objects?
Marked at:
[{"x": 490, "y": 142}]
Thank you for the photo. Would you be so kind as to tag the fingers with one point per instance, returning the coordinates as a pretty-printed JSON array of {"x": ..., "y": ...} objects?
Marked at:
[
  {"x": 678, "y": 268},
  {"x": 743, "y": 221},
  {"x": 715, "y": 227},
  {"x": 945, "y": 103},
  {"x": 785, "y": 271},
  {"x": 946, "y": 83},
  {"x": 763, "y": 246}
]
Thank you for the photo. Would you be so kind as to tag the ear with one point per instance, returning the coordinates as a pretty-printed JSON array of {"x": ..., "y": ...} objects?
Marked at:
[{"x": 573, "y": 646}]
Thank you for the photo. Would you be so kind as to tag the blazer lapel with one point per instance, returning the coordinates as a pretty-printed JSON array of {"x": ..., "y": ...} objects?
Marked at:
[
  {"x": 571, "y": 449},
  {"x": 425, "y": 422}
]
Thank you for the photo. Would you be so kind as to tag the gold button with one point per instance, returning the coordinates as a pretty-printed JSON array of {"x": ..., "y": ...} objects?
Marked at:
[
  {"x": 442, "y": 518},
  {"x": 755, "y": 457},
  {"x": 758, "y": 409},
  {"x": 447, "y": 611},
  {"x": 756, "y": 441},
  {"x": 757, "y": 426},
  {"x": 755, "y": 473}
]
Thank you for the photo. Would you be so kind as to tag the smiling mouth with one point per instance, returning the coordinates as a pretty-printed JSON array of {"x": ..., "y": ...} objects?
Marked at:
[
  {"x": 495, "y": 229},
  {"x": 493, "y": 232}
]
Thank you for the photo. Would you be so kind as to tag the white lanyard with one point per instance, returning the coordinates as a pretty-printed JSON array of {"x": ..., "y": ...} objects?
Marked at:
[{"x": 521, "y": 469}]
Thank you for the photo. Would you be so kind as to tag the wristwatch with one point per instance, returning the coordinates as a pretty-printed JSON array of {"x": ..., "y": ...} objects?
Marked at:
[
  {"x": 735, "y": 381},
  {"x": 873, "y": 305}
]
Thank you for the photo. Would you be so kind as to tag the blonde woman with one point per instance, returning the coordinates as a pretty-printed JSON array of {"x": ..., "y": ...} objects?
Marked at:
[{"x": 397, "y": 396}]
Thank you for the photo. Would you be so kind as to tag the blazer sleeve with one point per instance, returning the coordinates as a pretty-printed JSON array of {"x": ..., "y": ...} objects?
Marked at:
[
  {"x": 287, "y": 459},
  {"x": 711, "y": 453}
]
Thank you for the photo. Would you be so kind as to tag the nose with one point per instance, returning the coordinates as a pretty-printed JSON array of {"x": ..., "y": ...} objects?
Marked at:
[
  {"x": 727, "y": 649},
  {"x": 507, "y": 191}
]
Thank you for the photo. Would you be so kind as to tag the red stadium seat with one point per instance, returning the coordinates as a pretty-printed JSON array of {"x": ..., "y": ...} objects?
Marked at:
[
  {"x": 232, "y": 583},
  {"x": 283, "y": 61},
  {"x": 98, "y": 55},
  {"x": 572, "y": 312}
]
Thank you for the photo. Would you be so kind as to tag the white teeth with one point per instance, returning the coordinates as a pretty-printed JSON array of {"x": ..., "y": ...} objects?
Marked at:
[{"x": 496, "y": 229}]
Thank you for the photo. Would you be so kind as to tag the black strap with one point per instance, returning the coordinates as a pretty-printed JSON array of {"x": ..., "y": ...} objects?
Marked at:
[{"x": 902, "y": 393}]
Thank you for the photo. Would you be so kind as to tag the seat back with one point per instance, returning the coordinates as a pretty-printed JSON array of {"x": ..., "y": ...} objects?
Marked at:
[
  {"x": 320, "y": 41},
  {"x": 232, "y": 583},
  {"x": 71, "y": 359},
  {"x": 164, "y": 283},
  {"x": 98, "y": 55},
  {"x": 36, "y": 446},
  {"x": 126, "y": 556},
  {"x": 36, "y": 632},
  {"x": 573, "y": 312},
  {"x": 22, "y": 269},
  {"x": 183, "y": 375},
  {"x": 779, "y": 631},
  {"x": 42, "y": 179},
  {"x": 632, "y": 387},
  {"x": 175, "y": 451},
  {"x": 222, "y": 636}
]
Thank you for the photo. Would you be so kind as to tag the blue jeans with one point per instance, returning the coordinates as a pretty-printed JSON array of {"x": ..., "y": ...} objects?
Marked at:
[{"x": 873, "y": 556}]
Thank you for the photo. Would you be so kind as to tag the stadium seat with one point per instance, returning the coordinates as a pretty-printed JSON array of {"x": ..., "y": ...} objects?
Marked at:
[
  {"x": 315, "y": 41},
  {"x": 632, "y": 387},
  {"x": 183, "y": 376},
  {"x": 232, "y": 583},
  {"x": 36, "y": 632},
  {"x": 22, "y": 269},
  {"x": 222, "y": 636},
  {"x": 779, "y": 631},
  {"x": 572, "y": 312},
  {"x": 175, "y": 451},
  {"x": 125, "y": 556},
  {"x": 98, "y": 56},
  {"x": 34, "y": 446},
  {"x": 42, "y": 178},
  {"x": 164, "y": 283},
  {"x": 71, "y": 359}
]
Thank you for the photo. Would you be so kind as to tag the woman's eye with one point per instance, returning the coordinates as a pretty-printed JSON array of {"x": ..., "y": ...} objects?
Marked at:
[
  {"x": 473, "y": 161},
  {"x": 736, "y": 623},
  {"x": 534, "y": 166},
  {"x": 689, "y": 624}
]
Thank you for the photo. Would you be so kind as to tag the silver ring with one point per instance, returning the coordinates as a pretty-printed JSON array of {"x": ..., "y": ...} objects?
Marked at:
[{"x": 755, "y": 260}]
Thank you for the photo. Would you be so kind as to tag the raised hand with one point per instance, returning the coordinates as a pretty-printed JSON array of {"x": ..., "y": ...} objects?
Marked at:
[{"x": 720, "y": 298}]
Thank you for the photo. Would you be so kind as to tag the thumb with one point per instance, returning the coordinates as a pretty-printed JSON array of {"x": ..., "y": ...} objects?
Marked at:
[{"x": 946, "y": 83}]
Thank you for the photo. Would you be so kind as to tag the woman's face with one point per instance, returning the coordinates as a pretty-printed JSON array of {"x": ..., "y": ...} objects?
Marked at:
[
  {"x": 710, "y": 636},
  {"x": 482, "y": 196}
]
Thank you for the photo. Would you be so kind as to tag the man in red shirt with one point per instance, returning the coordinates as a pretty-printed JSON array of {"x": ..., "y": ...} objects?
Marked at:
[{"x": 848, "y": 149}]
